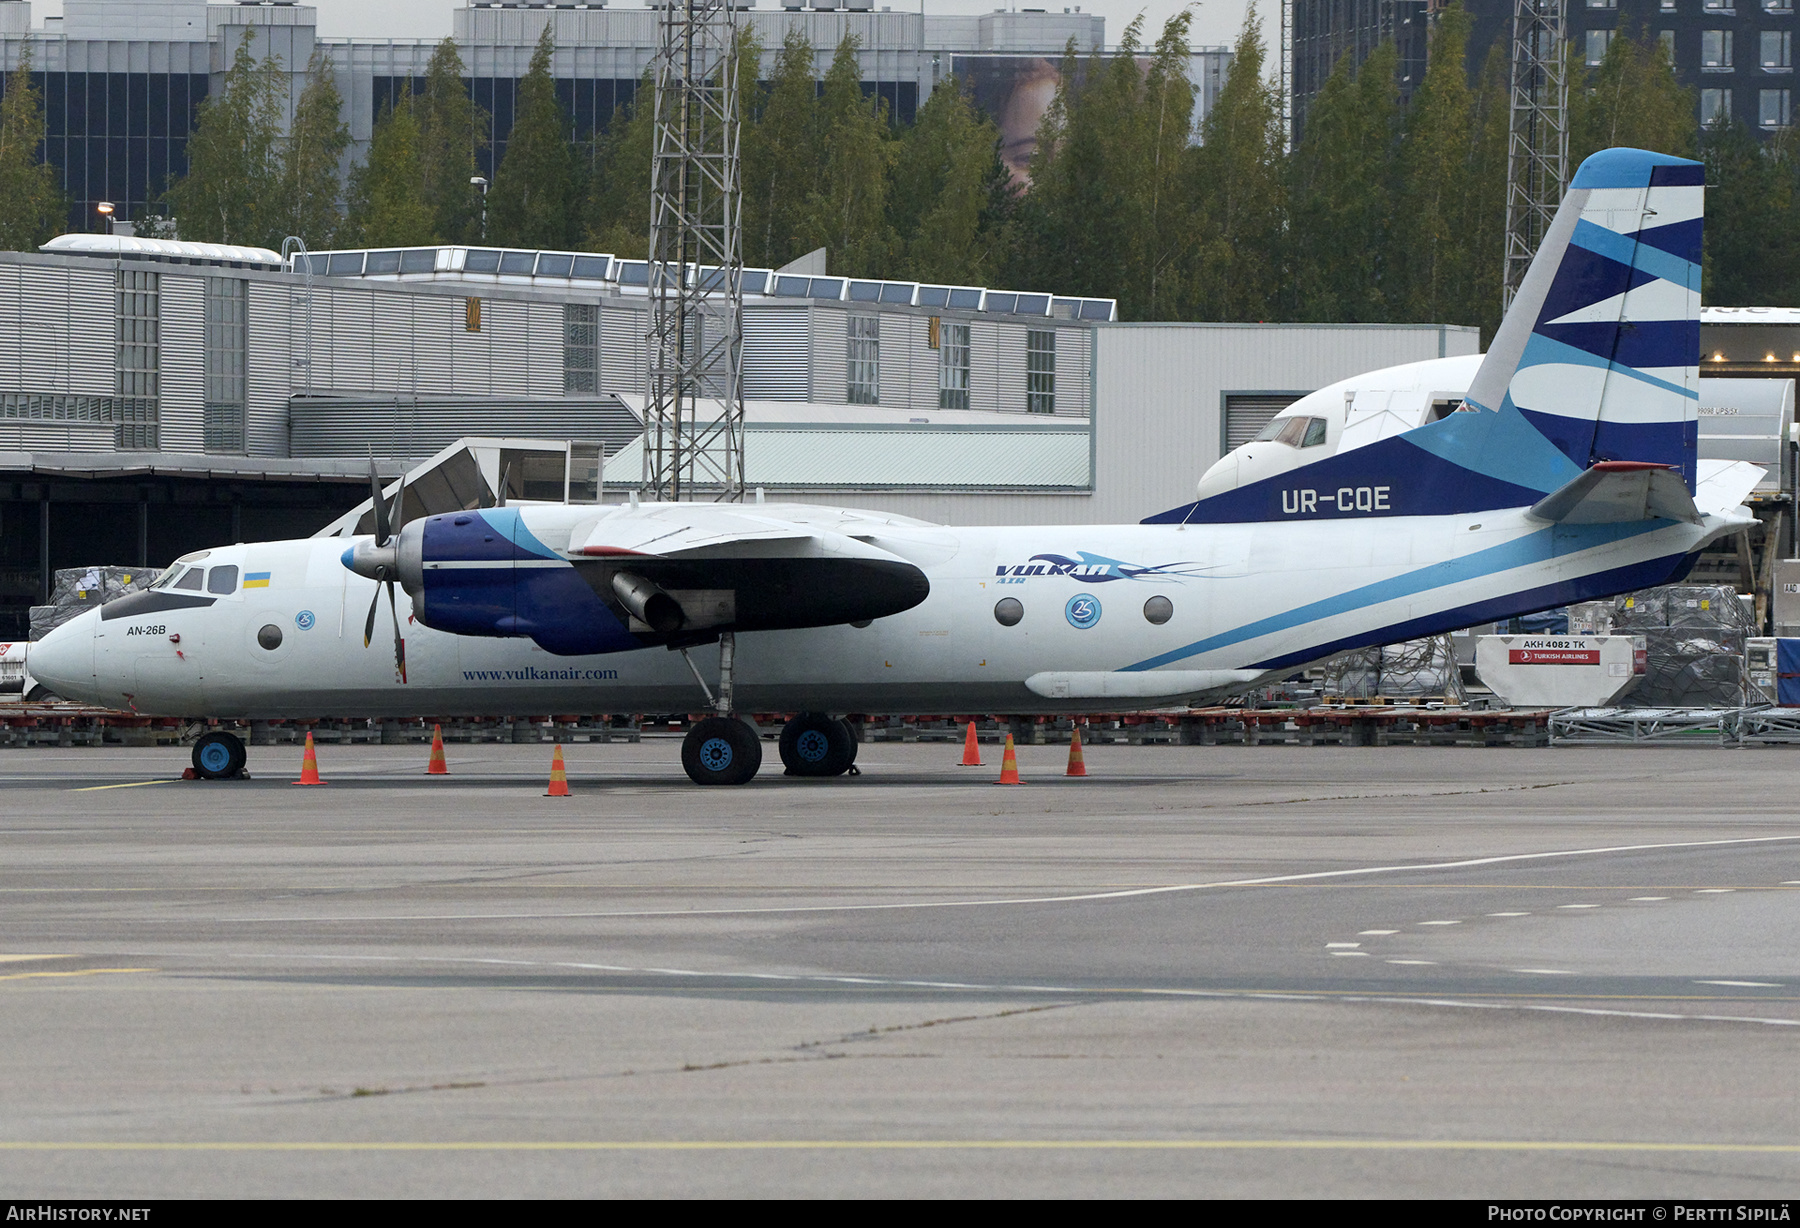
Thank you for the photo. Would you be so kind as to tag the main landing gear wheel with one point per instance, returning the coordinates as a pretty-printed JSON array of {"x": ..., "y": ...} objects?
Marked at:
[
  {"x": 219, "y": 756},
  {"x": 814, "y": 744},
  {"x": 721, "y": 750}
]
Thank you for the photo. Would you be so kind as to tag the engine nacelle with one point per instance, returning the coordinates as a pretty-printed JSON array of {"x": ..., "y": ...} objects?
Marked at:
[{"x": 485, "y": 574}]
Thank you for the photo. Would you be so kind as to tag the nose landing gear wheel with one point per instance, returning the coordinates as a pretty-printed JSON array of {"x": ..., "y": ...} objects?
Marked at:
[
  {"x": 814, "y": 744},
  {"x": 219, "y": 756},
  {"x": 721, "y": 750}
]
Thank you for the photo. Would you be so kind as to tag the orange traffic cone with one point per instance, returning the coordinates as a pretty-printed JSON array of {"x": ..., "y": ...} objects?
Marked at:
[
  {"x": 971, "y": 748},
  {"x": 1077, "y": 765},
  {"x": 1009, "y": 766},
  {"x": 309, "y": 766},
  {"x": 559, "y": 779},
  {"x": 437, "y": 766}
]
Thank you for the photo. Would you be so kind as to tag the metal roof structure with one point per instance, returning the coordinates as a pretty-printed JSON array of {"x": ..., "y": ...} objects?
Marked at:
[
  {"x": 502, "y": 266},
  {"x": 130, "y": 247}
]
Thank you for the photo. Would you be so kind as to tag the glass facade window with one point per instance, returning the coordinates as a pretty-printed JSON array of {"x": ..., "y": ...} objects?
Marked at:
[
  {"x": 862, "y": 357},
  {"x": 1776, "y": 51},
  {"x": 1597, "y": 42},
  {"x": 1040, "y": 370},
  {"x": 1719, "y": 6},
  {"x": 1667, "y": 39},
  {"x": 581, "y": 348},
  {"x": 225, "y": 346},
  {"x": 1715, "y": 106},
  {"x": 1715, "y": 50},
  {"x": 1773, "y": 108},
  {"x": 1668, "y": 6},
  {"x": 139, "y": 334},
  {"x": 118, "y": 136},
  {"x": 953, "y": 366},
  {"x": 1778, "y": 6},
  {"x": 1603, "y": 4}
]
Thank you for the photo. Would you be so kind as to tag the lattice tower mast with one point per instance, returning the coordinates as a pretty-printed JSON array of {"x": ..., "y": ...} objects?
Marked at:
[
  {"x": 1285, "y": 74},
  {"x": 1537, "y": 153},
  {"x": 694, "y": 407}
]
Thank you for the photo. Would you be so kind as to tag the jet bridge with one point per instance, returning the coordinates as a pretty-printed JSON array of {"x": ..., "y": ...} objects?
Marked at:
[{"x": 476, "y": 472}]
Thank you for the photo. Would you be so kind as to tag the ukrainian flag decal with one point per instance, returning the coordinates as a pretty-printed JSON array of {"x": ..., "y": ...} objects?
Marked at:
[{"x": 256, "y": 579}]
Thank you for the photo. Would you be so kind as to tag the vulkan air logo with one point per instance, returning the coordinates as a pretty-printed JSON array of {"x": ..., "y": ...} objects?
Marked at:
[{"x": 1091, "y": 569}]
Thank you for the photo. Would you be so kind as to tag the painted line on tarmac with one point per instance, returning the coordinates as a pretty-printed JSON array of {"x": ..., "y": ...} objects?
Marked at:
[
  {"x": 933, "y": 1144},
  {"x": 133, "y": 784},
  {"x": 36, "y": 976},
  {"x": 1360, "y": 996},
  {"x": 1082, "y": 898}
]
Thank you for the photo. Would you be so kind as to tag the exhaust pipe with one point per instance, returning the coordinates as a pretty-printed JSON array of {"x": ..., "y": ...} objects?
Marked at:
[{"x": 648, "y": 603}]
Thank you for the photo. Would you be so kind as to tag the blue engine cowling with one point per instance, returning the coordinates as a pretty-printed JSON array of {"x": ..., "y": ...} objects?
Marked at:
[{"x": 485, "y": 574}]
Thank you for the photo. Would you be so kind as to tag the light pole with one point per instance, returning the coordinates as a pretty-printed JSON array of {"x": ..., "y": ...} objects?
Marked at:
[
  {"x": 478, "y": 181},
  {"x": 105, "y": 210}
]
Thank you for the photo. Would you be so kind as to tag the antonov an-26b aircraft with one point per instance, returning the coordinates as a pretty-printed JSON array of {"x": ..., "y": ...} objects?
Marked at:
[{"x": 1567, "y": 473}]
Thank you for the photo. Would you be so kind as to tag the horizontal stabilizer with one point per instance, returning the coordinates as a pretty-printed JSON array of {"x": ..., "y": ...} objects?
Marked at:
[
  {"x": 1618, "y": 492},
  {"x": 1137, "y": 684}
]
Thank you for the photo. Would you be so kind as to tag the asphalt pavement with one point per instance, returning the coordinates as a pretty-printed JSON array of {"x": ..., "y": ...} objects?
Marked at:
[{"x": 1200, "y": 971}]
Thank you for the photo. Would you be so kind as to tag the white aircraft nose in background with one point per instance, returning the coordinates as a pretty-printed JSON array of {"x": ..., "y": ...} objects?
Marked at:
[{"x": 63, "y": 661}]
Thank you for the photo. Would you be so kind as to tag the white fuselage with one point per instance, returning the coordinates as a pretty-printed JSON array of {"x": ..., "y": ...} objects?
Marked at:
[{"x": 1252, "y": 599}]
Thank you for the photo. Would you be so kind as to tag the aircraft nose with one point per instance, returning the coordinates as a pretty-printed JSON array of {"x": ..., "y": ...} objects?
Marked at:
[{"x": 63, "y": 661}]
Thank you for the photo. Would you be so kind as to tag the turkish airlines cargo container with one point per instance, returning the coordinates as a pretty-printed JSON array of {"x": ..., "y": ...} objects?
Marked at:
[{"x": 1560, "y": 671}]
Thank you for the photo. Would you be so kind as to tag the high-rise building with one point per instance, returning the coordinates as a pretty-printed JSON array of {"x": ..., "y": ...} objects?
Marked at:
[
  {"x": 1736, "y": 55},
  {"x": 121, "y": 78}
]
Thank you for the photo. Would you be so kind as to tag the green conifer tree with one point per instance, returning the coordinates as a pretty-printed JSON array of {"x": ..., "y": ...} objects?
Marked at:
[
  {"x": 1632, "y": 99},
  {"x": 386, "y": 206},
  {"x": 939, "y": 206},
  {"x": 846, "y": 213},
  {"x": 536, "y": 199},
  {"x": 781, "y": 157},
  {"x": 231, "y": 193},
  {"x": 618, "y": 204},
  {"x": 32, "y": 205},
  {"x": 1340, "y": 194},
  {"x": 452, "y": 131},
  {"x": 1163, "y": 207},
  {"x": 310, "y": 184},
  {"x": 1429, "y": 246},
  {"x": 1485, "y": 214},
  {"x": 1752, "y": 256},
  {"x": 1239, "y": 182}
]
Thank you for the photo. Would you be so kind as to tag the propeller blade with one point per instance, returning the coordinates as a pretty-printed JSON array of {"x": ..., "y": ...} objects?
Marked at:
[
  {"x": 379, "y": 502},
  {"x": 399, "y": 641},
  {"x": 397, "y": 519},
  {"x": 369, "y": 623}
]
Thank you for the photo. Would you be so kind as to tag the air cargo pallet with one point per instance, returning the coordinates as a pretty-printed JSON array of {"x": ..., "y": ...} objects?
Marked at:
[
  {"x": 1369, "y": 725},
  {"x": 1638, "y": 726}
]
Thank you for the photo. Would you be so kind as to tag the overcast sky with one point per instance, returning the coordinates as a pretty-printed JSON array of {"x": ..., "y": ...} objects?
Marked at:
[{"x": 1215, "y": 21}]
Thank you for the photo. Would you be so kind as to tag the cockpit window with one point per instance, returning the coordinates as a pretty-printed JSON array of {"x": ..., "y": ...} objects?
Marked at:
[
  {"x": 1295, "y": 432},
  {"x": 222, "y": 580},
  {"x": 1272, "y": 432},
  {"x": 167, "y": 578},
  {"x": 191, "y": 578}
]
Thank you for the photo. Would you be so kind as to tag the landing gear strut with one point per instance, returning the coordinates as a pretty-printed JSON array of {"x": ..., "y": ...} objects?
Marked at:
[{"x": 721, "y": 749}]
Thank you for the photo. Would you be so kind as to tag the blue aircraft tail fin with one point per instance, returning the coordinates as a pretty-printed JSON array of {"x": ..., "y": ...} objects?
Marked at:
[{"x": 1597, "y": 360}]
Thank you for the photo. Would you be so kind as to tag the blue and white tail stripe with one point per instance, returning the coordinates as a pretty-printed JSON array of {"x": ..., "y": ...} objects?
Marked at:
[
  {"x": 1597, "y": 360},
  {"x": 1601, "y": 351}
]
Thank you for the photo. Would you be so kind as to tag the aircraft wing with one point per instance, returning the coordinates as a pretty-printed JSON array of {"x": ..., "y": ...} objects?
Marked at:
[{"x": 704, "y": 530}]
